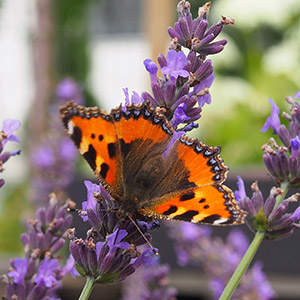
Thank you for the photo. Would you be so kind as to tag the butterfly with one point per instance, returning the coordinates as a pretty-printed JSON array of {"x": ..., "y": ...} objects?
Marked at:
[{"x": 135, "y": 159}]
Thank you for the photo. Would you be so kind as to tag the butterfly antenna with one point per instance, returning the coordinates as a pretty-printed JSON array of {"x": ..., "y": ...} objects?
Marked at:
[
  {"x": 72, "y": 210},
  {"x": 143, "y": 235}
]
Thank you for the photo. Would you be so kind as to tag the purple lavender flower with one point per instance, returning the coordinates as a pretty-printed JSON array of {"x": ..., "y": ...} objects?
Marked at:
[
  {"x": 109, "y": 253},
  {"x": 295, "y": 146},
  {"x": 195, "y": 245},
  {"x": 265, "y": 215},
  {"x": 46, "y": 273},
  {"x": 282, "y": 161},
  {"x": 178, "y": 102},
  {"x": 176, "y": 61},
  {"x": 39, "y": 274},
  {"x": 109, "y": 261},
  {"x": 6, "y": 134},
  {"x": 193, "y": 34},
  {"x": 134, "y": 99},
  {"x": 184, "y": 89},
  {"x": 54, "y": 159},
  {"x": 8, "y": 128},
  {"x": 149, "y": 283},
  {"x": 297, "y": 95},
  {"x": 69, "y": 89},
  {"x": 273, "y": 121},
  {"x": 19, "y": 270}
]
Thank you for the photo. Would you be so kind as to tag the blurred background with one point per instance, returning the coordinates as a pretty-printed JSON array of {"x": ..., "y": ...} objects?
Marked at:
[{"x": 100, "y": 46}]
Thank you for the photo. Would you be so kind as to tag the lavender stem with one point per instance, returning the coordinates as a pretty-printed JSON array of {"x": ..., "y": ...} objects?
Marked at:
[
  {"x": 88, "y": 287},
  {"x": 284, "y": 186},
  {"x": 243, "y": 266},
  {"x": 249, "y": 255}
]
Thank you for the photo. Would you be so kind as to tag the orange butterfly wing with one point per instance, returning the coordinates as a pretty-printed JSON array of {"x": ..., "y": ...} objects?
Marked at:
[
  {"x": 199, "y": 196},
  {"x": 116, "y": 145},
  {"x": 93, "y": 132}
]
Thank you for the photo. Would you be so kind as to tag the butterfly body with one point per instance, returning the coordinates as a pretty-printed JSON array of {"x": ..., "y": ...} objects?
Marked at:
[{"x": 135, "y": 157}]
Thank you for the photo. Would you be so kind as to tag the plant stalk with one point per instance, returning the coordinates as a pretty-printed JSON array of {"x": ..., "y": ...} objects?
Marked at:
[
  {"x": 243, "y": 266},
  {"x": 87, "y": 289},
  {"x": 285, "y": 187}
]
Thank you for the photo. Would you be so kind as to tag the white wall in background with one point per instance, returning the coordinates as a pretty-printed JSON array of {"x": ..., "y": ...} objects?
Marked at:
[
  {"x": 16, "y": 75},
  {"x": 116, "y": 63}
]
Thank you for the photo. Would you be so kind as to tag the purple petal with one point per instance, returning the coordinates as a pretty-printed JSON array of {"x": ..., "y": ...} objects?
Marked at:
[
  {"x": 70, "y": 267},
  {"x": 295, "y": 145},
  {"x": 115, "y": 239},
  {"x": 175, "y": 137},
  {"x": 20, "y": 268},
  {"x": 179, "y": 115},
  {"x": 135, "y": 98},
  {"x": 273, "y": 121},
  {"x": 91, "y": 201},
  {"x": 240, "y": 193},
  {"x": 8, "y": 127},
  {"x": 176, "y": 62},
  {"x": 46, "y": 271},
  {"x": 296, "y": 214},
  {"x": 67, "y": 150},
  {"x": 44, "y": 157},
  {"x": 297, "y": 95},
  {"x": 150, "y": 66},
  {"x": 68, "y": 89}
]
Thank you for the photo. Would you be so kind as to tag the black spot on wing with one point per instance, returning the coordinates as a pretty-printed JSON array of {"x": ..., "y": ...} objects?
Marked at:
[
  {"x": 90, "y": 156},
  {"x": 170, "y": 211},
  {"x": 187, "y": 216},
  {"x": 187, "y": 196},
  {"x": 125, "y": 148},
  {"x": 202, "y": 200},
  {"x": 211, "y": 219},
  {"x": 111, "y": 150},
  {"x": 104, "y": 170},
  {"x": 76, "y": 136},
  {"x": 100, "y": 137},
  {"x": 184, "y": 183},
  {"x": 206, "y": 206}
]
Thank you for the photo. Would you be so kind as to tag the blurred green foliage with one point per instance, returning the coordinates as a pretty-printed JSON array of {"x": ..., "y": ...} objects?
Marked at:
[
  {"x": 11, "y": 227},
  {"x": 71, "y": 38},
  {"x": 71, "y": 42},
  {"x": 247, "y": 74}
]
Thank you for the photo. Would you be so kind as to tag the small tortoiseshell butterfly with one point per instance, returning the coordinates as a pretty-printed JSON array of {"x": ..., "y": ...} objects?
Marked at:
[{"x": 125, "y": 150}]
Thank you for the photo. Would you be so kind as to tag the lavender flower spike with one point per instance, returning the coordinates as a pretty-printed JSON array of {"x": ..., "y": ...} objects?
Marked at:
[
  {"x": 195, "y": 246},
  {"x": 109, "y": 252},
  {"x": 193, "y": 34},
  {"x": 264, "y": 216},
  {"x": 149, "y": 283},
  {"x": 39, "y": 274}
]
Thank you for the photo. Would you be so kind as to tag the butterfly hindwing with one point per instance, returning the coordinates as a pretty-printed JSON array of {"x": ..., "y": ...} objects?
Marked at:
[{"x": 192, "y": 190}]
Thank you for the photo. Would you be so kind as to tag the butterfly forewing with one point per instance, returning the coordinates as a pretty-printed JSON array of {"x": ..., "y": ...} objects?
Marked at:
[
  {"x": 142, "y": 138},
  {"x": 93, "y": 132}
]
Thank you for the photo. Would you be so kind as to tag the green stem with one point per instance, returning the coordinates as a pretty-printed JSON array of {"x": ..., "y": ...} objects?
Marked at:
[
  {"x": 285, "y": 187},
  {"x": 88, "y": 287},
  {"x": 242, "y": 267},
  {"x": 249, "y": 255}
]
